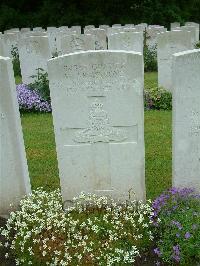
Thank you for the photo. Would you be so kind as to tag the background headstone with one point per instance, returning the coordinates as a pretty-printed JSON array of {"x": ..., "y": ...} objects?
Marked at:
[
  {"x": 14, "y": 178},
  {"x": 169, "y": 43},
  {"x": 186, "y": 119},
  {"x": 128, "y": 41},
  {"x": 34, "y": 52},
  {"x": 100, "y": 38},
  {"x": 77, "y": 43}
]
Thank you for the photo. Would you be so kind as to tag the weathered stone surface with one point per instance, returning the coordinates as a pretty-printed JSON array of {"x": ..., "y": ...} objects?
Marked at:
[
  {"x": 77, "y": 29},
  {"x": 175, "y": 25},
  {"x": 197, "y": 26},
  {"x": 168, "y": 44},
  {"x": 14, "y": 179},
  {"x": 33, "y": 53},
  {"x": 186, "y": 119},
  {"x": 52, "y": 34},
  {"x": 77, "y": 43},
  {"x": 193, "y": 31},
  {"x": 11, "y": 40},
  {"x": 97, "y": 101},
  {"x": 100, "y": 38},
  {"x": 128, "y": 41},
  {"x": 152, "y": 35}
]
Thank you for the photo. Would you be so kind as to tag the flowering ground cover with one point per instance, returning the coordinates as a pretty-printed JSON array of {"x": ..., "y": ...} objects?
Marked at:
[{"x": 98, "y": 230}]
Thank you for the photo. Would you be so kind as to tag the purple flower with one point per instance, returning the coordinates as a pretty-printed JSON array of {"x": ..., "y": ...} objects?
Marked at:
[
  {"x": 178, "y": 235},
  {"x": 30, "y": 100},
  {"x": 177, "y": 224},
  {"x": 187, "y": 235},
  {"x": 157, "y": 252},
  {"x": 176, "y": 251}
]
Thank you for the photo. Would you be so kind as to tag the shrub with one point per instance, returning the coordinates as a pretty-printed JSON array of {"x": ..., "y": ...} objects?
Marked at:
[
  {"x": 30, "y": 100},
  {"x": 150, "y": 59},
  {"x": 16, "y": 62},
  {"x": 197, "y": 46},
  {"x": 177, "y": 226},
  {"x": 93, "y": 230},
  {"x": 41, "y": 84},
  {"x": 157, "y": 98}
]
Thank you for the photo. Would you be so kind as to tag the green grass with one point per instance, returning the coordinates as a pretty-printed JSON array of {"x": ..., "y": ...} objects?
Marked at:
[
  {"x": 18, "y": 80},
  {"x": 41, "y": 151},
  {"x": 150, "y": 79}
]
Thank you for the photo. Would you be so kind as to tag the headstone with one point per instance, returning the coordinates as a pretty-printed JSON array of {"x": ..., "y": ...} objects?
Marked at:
[
  {"x": 152, "y": 36},
  {"x": 169, "y": 43},
  {"x": 104, "y": 27},
  {"x": 77, "y": 43},
  {"x": 193, "y": 30},
  {"x": 114, "y": 30},
  {"x": 127, "y": 41},
  {"x": 38, "y": 29},
  {"x": 59, "y": 36},
  {"x": 25, "y": 30},
  {"x": 63, "y": 28},
  {"x": 141, "y": 27},
  {"x": 33, "y": 54},
  {"x": 2, "y": 45},
  {"x": 12, "y": 30},
  {"x": 175, "y": 25},
  {"x": 11, "y": 40},
  {"x": 76, "y": 29},
  {"x": 116, "y": 26},
  {"x": 197, "y": 26},
  {"x": 88, "y": 27},
  {"x": 100, "y": 38},
  {"x": 52, "y": 33},
  {"x": 97, "y": 102},
  {"x": 186, "y": 119},
  {"x": 14, "y": 178},
  {"x": 129, "y": 26}
]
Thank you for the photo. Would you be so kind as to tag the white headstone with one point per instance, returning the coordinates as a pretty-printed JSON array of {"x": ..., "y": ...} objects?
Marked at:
[
  {"x": 38, "y": 29},
  {"x": 197, "y": 26},
  {"x": 127, "y": 41},
  {"x": 114, "y": 30},
  {"x": 25, "y": 30},
  {"x": 116, "y": 26},
  {"x": 77, "y": 43},
  {"x": 97, "y": 101},
  {"x": 100, "y": 38},
  {"x": 186, "y": 119},
  {"x": 152, "y": 35},
  {"x": 11, "y": 42},
  {"x": 2, "y": 45},
  {"x": 88, "y": 27},
  {"x": 169, "y": 43},
  {"x": 14, "y": 178},
  {"x": 193, "y": 30},
  {"x": 175, "y": 25},
  {"x": 104, "y": 27},
  {"x": 33, "y": 54},
  {"x": 52, "y": 33},
  {"x": 76, "y": 29}
]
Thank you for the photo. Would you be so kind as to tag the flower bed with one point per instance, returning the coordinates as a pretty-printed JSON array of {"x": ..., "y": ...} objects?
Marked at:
[
  {"x": 30, "y": 100},
  {"x": 94, "y": 230}
]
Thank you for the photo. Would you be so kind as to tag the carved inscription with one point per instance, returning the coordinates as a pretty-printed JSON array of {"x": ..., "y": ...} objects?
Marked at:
[
  {"x": 96, "y": 78},
  {"x": 195, "y": 124},
  {"x": 99, "y": 129},
  {"x": 33, "y": 47},
  {"x": 77, "y": 44}
]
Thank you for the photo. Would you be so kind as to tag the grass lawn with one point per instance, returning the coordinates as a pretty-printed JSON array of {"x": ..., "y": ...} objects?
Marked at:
[{"x": 41, "y": 152}]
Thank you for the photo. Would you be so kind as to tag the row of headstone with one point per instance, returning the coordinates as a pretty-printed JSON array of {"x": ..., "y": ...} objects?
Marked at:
[{"x": 99, "y": 148}]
